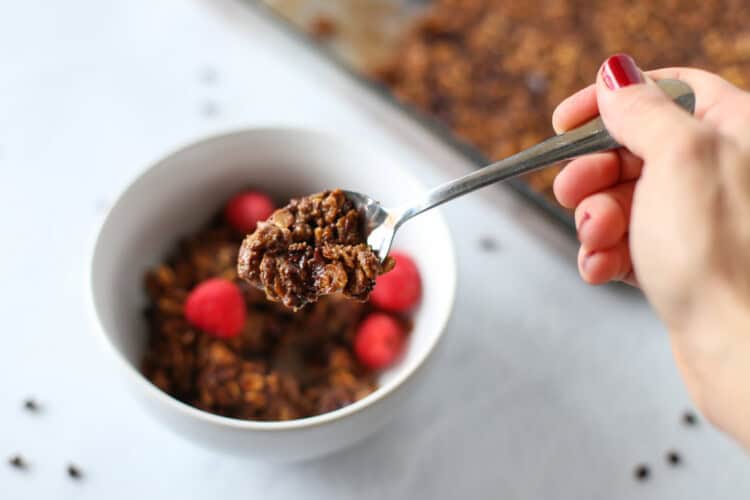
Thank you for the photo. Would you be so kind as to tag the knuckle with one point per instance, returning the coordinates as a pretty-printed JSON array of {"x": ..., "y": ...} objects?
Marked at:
[
  {"x": 696, "y": 145},
  {"x": 638, "y": 102}
]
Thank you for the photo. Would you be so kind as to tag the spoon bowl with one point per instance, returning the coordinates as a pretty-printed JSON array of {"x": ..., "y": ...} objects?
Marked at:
[{"x": 380, "y": 223}]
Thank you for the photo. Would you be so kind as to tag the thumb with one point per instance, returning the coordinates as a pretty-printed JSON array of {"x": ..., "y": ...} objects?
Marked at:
[{"x": 637, "y": 113}]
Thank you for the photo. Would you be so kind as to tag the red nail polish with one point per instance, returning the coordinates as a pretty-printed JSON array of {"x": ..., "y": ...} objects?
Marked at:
[{"x": 620, "y": 71}]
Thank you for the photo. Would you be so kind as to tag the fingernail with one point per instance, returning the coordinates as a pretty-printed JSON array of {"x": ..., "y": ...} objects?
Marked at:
[
  {"x": 584, "y": 220},
  {"x": 620, "y": 71},
  {"x": 587, "y": 260}
]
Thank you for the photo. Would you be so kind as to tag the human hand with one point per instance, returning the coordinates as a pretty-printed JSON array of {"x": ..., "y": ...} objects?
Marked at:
[{"x": 670, "y": 212}]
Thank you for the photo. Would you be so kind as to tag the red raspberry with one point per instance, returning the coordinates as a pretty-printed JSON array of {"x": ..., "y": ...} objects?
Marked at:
[
  {"x": 246, "y": 209},
  {"x": 400, "y": 289},
  {"x": 216, "y": 306},
  {"x": 379, "y": 341}
]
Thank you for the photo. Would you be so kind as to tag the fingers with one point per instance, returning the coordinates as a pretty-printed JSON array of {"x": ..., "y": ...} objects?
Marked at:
[
  {"x": 593, "y": 173},
  {"x": 575, "y": 110},
  {"x": 630, "y": 165},
  {"x": 602, "y": 219},
  {"x": 714, "y": 96},
  {"x": 636, "y": 111},
  {"x": 716, "y": 99},
  {"x": 602, "y": 266},
  {"x": 585, "y": 176},
  {"x": 650, "y": 126},
  {"x": 718, "y": 103}
]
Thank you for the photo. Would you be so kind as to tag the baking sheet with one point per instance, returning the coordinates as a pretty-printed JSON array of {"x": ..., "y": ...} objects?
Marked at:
[{"x": 359, "y": 35}]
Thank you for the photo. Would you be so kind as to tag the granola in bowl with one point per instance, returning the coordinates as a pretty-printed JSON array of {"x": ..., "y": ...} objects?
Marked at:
[{"x": 217, "y": 343}]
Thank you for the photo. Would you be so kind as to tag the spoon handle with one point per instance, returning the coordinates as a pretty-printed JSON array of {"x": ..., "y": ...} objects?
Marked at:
[{"x": 589, "y": 138}]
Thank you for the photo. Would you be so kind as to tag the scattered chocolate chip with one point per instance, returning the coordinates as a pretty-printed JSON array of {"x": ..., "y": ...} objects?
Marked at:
[
  {"x": 642, "y": 472},
  {"x": 673, "y": 458},
  {"x": 31, "y": 405},
  {"x": 208, "y": 75},
  {"x": 74, "y": 472},
  {"x": 689, "y": 418},
  {"x": 488, "y": 244},
  {"x": 18, "y": 462},
  {"x": 209, "y": 109}
]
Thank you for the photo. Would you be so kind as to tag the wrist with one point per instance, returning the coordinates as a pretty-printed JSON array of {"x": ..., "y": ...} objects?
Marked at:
[
  {"x": 712, "y": 350},
  {"x": 722, "y": 309}
]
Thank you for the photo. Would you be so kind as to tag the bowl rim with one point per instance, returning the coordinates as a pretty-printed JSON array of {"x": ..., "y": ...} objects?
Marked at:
[{"x": 135, "y": 376}]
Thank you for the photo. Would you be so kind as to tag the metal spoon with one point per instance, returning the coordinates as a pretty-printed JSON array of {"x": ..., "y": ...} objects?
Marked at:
[{"x": 382, "y": 223}]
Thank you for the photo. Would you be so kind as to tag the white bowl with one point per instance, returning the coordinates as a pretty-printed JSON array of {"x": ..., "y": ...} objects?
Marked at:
[{"x": 179, "y": 193}]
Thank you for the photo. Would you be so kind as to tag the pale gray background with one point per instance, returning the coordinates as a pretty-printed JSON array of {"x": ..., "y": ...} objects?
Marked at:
[{"x": 543, "y": 388}]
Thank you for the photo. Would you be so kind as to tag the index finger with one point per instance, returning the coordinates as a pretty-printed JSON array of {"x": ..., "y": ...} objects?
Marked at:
[
  {"x": 709, "y": 90},
  {"x": 575, "y": 110}
]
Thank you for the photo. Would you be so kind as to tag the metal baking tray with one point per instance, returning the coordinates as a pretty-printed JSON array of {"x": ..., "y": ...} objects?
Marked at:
[{"x": 366, "y": 34}]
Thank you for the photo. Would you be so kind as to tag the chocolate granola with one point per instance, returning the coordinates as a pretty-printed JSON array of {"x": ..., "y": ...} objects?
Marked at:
[
  {"x": 281, "y": 366},
  {"x": 494, "y": 70},
  {"x": 312, "y": 247}
]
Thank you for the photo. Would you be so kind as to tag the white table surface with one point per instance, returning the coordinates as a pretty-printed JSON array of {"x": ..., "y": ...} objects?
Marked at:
[{"x": 543, "y": 388}]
